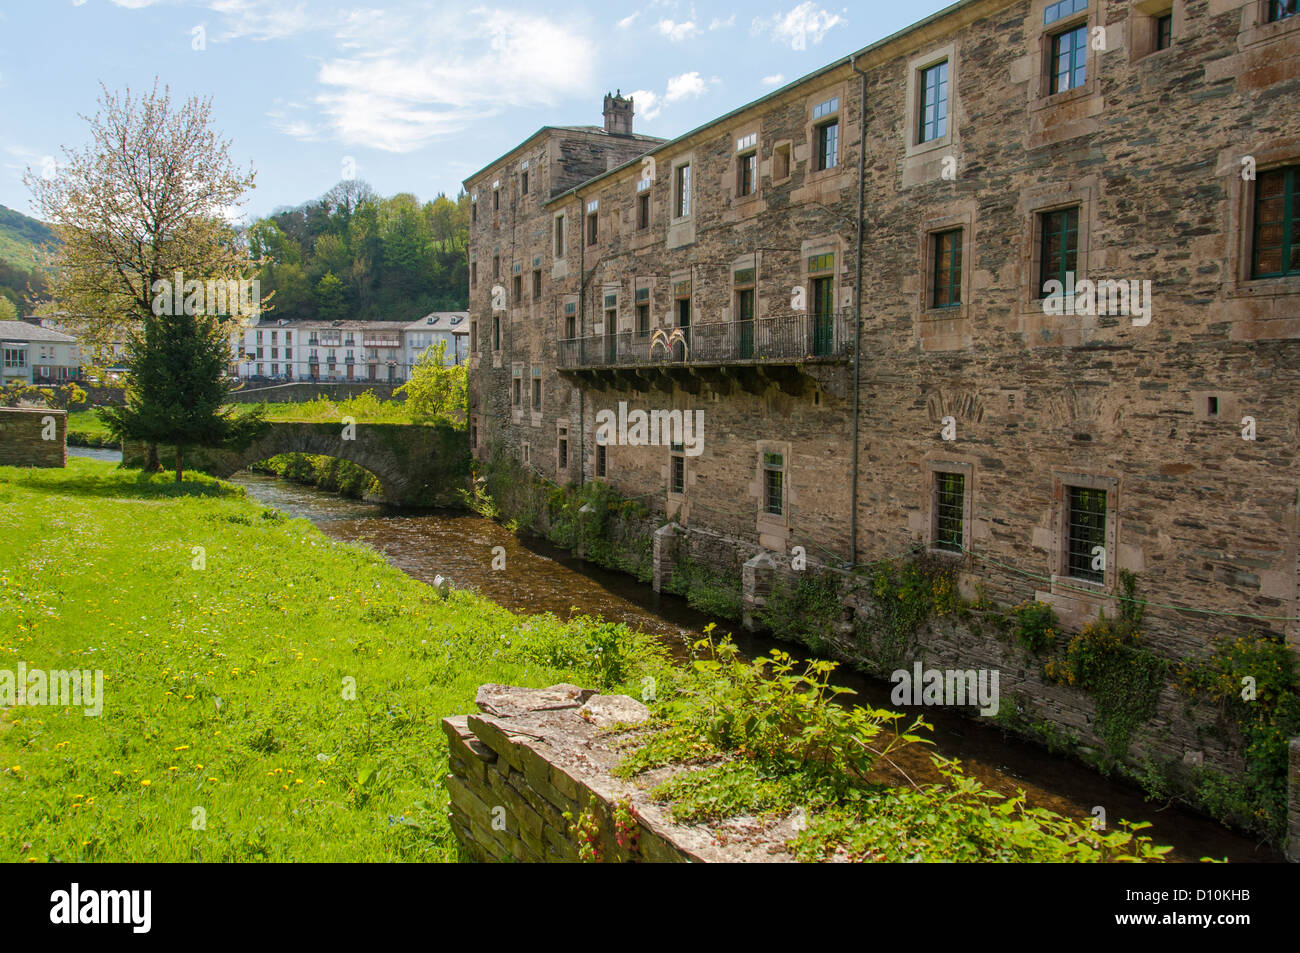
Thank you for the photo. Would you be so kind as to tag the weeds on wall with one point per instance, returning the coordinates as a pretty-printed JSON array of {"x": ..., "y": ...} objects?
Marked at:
[
  {"x": 769, "y": 738},
  {"x": 904, "y": 596},
  {"x": 804, "y": 613},
  {"x": 1252, "y": 678},
  {"x": 712, "y": 591}
]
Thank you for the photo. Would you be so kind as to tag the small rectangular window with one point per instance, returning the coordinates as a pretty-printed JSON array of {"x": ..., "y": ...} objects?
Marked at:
[
  {"x": 934, "y": 102},
  {"x": 1212, "y": 407},
  {"x": 949, "y": 511},
  {"x": 773, "y": 484},
  {"x": 496, "y": 198},
  {"x": 781, "y": 162},
  {"x": 523, "y": 183},
  {"x": 947, "y": 269},
  {"x": 601, "y": 464},
  {"x": 1062, "y": 9},
  {"x": 643, "y": 320},
  {"x": 828, "y": 144},
  {"x": 643, "y": 211},
  {"x": 1164, "y": 31},
  {"x": 1281, "y": 9},
  {"x": 1069, "y": 64},
  {"x": 537, "y": 394},
  {"x": 1276, "y": 251},
  {"x": 1086, "y": 531},
  {"x": 563, "y": 461},
  {"x": 591, "y": 228},
  {"x": 559, "y": 236},
  {"x": 677, "y": 473},
  {"x": 496, "y": 267},
  {"x": 537, "y": 284},
  {"x": 1059, "y": 249},
  {"x": 683, "y": 189},
  {"x": 517, "y": 286},
  {"x": 747, "y": 173}
]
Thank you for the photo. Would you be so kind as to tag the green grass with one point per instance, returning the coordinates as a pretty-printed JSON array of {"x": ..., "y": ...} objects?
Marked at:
[
  {"x": 85, "y": 429},
  {"x": 365, "y": 408},
  {"x": 224, "y": 686}
]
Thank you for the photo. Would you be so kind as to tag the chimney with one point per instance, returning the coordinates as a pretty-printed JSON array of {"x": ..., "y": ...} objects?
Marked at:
[{"x": 618, "y": 114}]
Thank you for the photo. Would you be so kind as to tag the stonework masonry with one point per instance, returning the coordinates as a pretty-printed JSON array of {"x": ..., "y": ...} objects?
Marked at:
[
  {"x": 33, "y": 437},
  {"x": 898, "y": 381}
]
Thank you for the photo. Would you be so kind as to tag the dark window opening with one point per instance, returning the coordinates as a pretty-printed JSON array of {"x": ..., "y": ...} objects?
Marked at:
[
  {"x": 828, "y": 145},
  {"x": 949, "y": 511},
  {"x": 1086, "y": 531},
  {"x": 1069, "y": 64},
  {"x": 677, "y": 476},
  {"x": 773, "y": 484},
  {"x": 1277, "y": 212},
  {"x": 947, "y": 269},
  {"x": 1164, "y": 31},
  {"x": 747, "y": 173},
  {"x": 1060, "y": 247},
  {"x": 601, "y": 464},
  {"x": 642, "y": 212},
  {"x": 537, "y": 284}
]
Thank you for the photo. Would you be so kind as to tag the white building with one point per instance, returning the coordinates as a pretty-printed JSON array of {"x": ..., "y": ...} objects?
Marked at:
[
  {"x": 37, "y": 355},
  {"x": 379, "y": 351},
  {"x": 450, "y": 327}
]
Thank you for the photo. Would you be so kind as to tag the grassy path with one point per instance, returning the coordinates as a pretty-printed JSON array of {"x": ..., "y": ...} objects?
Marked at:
[{"x": 229, "y": 729}]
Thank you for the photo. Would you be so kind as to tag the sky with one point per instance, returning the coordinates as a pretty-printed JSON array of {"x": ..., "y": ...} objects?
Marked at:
[{"x": 409, "y": 96}]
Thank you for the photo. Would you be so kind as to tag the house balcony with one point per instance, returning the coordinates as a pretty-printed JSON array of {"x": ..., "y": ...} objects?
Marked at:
[{"x": 793, "y": 351}]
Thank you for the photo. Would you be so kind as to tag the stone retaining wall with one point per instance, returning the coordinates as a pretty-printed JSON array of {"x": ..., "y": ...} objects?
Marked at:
[
  {"x": 33, "y": 437},
  {"x": 532, "y": 755}
]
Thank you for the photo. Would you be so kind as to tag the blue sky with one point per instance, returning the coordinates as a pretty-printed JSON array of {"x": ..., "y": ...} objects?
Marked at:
[{"x": 413, "y": 95}]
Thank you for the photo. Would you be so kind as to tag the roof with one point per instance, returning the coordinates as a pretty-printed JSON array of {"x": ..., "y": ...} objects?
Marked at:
[
  {"x": 586, "y": 130},
  {"x": 851, "y": 60},
  {"x": 22, "y": 331},
  {"x": 453, "y": 321},
  {"x": 319, "y": 324}
]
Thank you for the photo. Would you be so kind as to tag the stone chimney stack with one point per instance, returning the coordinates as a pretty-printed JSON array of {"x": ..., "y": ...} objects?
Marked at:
[{"x": 618, "y": 114}]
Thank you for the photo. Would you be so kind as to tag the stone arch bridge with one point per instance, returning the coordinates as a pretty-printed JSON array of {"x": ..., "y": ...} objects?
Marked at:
[{"x": 415, "y": 465}]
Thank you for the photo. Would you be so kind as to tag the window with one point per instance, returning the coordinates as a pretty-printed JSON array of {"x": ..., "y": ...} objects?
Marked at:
[
  {"x": 643, "y": 320},
  {"x": 746, "y": 173},
  {"x": 1281, "y": 9},
  {"x": 947, "y": 270},
  {"x": 496, "y": 267},
  {"x": 828, "y": 144},
  {"x": 537, "y": 284},
  {"x": 949, "y": 511},
  {"x": 773, "y": 484},
  {"x": 1062, "y": 9},
  {"x": 643, "y": 211},
  {"x": 473, "y": 212},
  {"x": 1059, "y": 247},
  {"x": 496, "y": 197},
  {"x": 592, "y": 208},
  {"x": 570, "y": 321},
  {"x": 559, "y": 236},
  {"x": 1277, "y": 223},
  {"x": 781, "y": 162},
  {"x": 677, "y": 470},
  {"x": 517, "y": 286},
  {"x": 934, "y": 102},
  {"x": 1164, "y": 31},
  {"x": 496, "y": 334},
  {"x": 1086, "y": 532},
  {"x": 683, "y": 188},
  {"x": 523, "y": 183},
  {"x": 517, "y": 388},
  {"x": 601, "y": 460},
  {"x": 563, "y": 456},
  {"x": 15, "y": 357},
  {"x": 473, "y": 335},
  {"x": 1069, "y": 65},
  {"x": 744, "y": 287},
  {"x": 1212, "y": 406},
  {"x": 537, "y": 390}
]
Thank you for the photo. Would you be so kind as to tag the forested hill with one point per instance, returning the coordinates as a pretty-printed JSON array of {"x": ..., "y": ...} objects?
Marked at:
[
  {"x": 357, "y": 255},
  {"x": 20, "y": 237}
]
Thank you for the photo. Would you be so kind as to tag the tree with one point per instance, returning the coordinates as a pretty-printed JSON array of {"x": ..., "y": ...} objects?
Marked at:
[
  {"x": 177, "y": 389},
  {"x": 7, "y": 310},
  {"x": 142, "y": 208},
  {"x": 329, "y": 297},
  {"x": 436, "y": 392},
  {"x": 148, "y": 197}
]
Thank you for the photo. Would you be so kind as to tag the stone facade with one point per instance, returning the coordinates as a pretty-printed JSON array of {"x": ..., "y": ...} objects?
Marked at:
[
  {"x": 33, "y": 437},
  {"x": 1154, "y": 159}
]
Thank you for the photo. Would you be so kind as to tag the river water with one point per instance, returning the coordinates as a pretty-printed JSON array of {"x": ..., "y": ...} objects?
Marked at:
[{"x": 540, "y": 578}]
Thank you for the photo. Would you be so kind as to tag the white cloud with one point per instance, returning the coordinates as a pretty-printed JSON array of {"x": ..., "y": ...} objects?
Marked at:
[
  {"x": 720, "y": 24},
  {"x": 263, "y": 19},
  {"x": 648, "y": 104},
  {"x": 776, "y": 79},
  {"x": 413, "y": 76},
  {"x": 129, "y": 4},
  {"x": 796, "y": 27},
  {"x": 627, "y": 21},
  {"x": 677, "y": 32},
  {"x": 687, "y": 84}
]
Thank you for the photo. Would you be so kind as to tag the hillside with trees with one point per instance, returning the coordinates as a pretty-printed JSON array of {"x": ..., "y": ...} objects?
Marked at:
[
  {"x": 354, "y": 254},
  {"x": 21, "y": 239}
]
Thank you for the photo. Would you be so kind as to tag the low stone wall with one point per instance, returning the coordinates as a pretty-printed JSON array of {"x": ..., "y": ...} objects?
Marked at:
[
  {"x": 255, "y": 393},
  {"x": 534, "y": 754},
  {"x": 33, "y": 437}
]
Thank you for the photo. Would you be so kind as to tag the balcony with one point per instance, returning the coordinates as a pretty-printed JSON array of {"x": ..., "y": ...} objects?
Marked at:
[{"x": 790, "y": 351}]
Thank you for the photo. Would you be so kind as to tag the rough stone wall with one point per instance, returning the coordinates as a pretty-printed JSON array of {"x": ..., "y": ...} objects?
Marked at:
[
  {"x": 533, "y": 755},
  {"x": 304, "y": 391},
  {"x": 23, "y": 433}
]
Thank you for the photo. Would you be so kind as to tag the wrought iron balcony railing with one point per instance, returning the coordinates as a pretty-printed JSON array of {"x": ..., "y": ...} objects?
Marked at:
[{"x": 792, "y": 337}]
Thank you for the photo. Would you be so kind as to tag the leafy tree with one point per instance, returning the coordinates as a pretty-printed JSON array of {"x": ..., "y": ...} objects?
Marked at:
[
  {"x": 436, "y": 391},
  {"x": 8, "y": 312},
  {"x": 329, "y": 297},
  {"x": 177, "y": 389}
]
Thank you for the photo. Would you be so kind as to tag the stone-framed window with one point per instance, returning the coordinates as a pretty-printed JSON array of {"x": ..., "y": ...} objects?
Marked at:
[
  {"x": 1058, "y": 247},
  {"x": 536, "y": 390},
  {"x": 537, "y": 281},
  {"x": 951, "y": 492},
  {"x": 600, "y": 460},
  {"x": 946, "y": 269},
  {"x": 1086, "y": 529},
  {"x": 557, "y": 249},
  {"x": 1051, "y": 240},
  {"x": 1067, "y": 66},
  {"x": 593, "y": 222},
  {"x": 1253, "y": 178},
  {"x": 826, "y": 134},
  {"x": 1065, "y": 37},
  {"x": 745, "y": 171},
  {"x": 570, "y": 317},
  {"x": 682, "y": 190},
  {"x": 782, "y": 161},
  {"x": 644, "y": 306},
  {"x": 643, "y": 208},
  {"x": 517, "y": 387},
  {"x": 773, "y": 484},
  {"x": 772, "y": 492},
  {"x": 1275, "y": 226},
  {"x": 1155, "y": 25},
  {"x": 562, "y": 448},
  {"x": 930, "y": 99},
  {"x": 473, "y": 273},
  {"x": 676, "y": 472}
]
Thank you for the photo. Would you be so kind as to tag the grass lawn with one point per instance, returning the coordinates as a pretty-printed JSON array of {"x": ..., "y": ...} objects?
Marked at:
[
  {"x": 225, "y": 686},
  {"x": 85, "y": 429}
]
